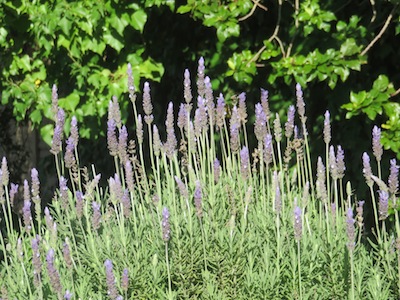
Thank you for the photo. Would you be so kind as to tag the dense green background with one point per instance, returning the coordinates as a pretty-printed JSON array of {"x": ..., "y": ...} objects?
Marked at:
[{"x": 327, "y": 46}]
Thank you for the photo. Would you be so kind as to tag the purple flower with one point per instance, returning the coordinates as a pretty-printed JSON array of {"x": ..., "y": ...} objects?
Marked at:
[
  {"x": 36, "y": 261},
  {"x": 200, "y": 117},
  {"x": 74, "y": 131},
  {"x": 360, "y": 213},
  {"x": 234, "y": 130},
  {"x": 298, "y": 227},
  {"x": 268, "y": 151},
  {"x": 48, "y": 218},
  {"x": 321, "y": 177},
  {"x": 139, "y": 129},
  {"x": 182, "y": 117},
  {"x": 67, "y": 295},
  {"x": 56, "y": 142},
  {"x": 54, "y": 99},
  {"x": 351, "y": 235},
  {"x": 5, "y": 175},
  {"x": 393, "y": 177},
  {"x": 64, "y": 193},
  {"x": 244, "y": 162},
  {"x": 67, "y": 254},
  {"x": 122, "y": 144},
  {"x": 209, "y": 100},
  {"x": 376, "y": 143},
  {"x": 289, "y": 125},
  {"x": 147, "y": 106},
  {"x": 278, "y": 199},
  {"x": 277, "y": 129},
  {"x": 260, "y": 128},
  {"x": 182, "y": 188},
  {"x": 114, "y": 111},
  {"x": 198, "y": 195},
  {"x": 383, "y": 204},
  {"x": 367, "y": 171},
  {"x": 217, "y": 170},
  {"x": 112, "y": 142},
  {"x": 327, "y": 128},
  {"x": 129, "y": 176},
  {"x": 265, "y": 104},
  {"x": 110, "y": 280},
  {"x": 156, "y": 141},
  {"x": 69, "y": 157},
  {"x": 125, "y": 280},
  {"x": 166, "y": 228},
  {"x": 116, "y": 191},
  {"x": 13, "y": 192},
  {"x": 200, "y": 78},
  {"x": 131, "y": 86},
  {"x": 171, "y": 143},
  {"x": 332, "y": 163},
  {"x": 187, "y": 92},
  {"x": 126, "y": 204},
  {"x": 96, "y": 218},
  {"x": 340, "y": 162},
  {"x": 300, "y": 103},
  {"x": 35, "y": 186},
  {"x": 242, "y": 111},
  {"x": 26, "y": 209},
  {"x": 220, "y": 112},
  {"x": 79, "y": 204},
  {"x": 53, "y": 273}
]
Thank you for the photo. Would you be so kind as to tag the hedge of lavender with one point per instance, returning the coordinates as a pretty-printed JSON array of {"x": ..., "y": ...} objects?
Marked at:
[{"x": 198, "y": 214}]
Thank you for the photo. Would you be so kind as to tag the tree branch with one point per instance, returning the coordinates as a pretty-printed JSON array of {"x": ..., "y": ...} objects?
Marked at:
[
  {"x": 256, "y": 3},
  {"x": 381, "y": 32}
]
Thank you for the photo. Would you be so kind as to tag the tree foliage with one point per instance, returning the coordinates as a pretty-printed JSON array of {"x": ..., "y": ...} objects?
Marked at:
[{"x": 344, "y": 54}]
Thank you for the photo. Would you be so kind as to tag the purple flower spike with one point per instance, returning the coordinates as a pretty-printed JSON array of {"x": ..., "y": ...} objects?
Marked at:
[
  {"x": 187, "y": 94},
  {"x": 217, "y": 170},
  {"x": 321, "y": 184},
  {"x": 67, "y": 255},
  {"x": 260, "y": 126},
  {"x": 300, "y": 103},
  {"x": 220, "y": 112},
  {"x": 147, "y": 106},
  {"x": 166, "y": 228},
  {"x": 278, "y": 199},
  {"x": 112, "y": 142},
  {"x": 171, "y": 143},
  {"x": 327, "y": 128},
  {"x": 182, "y": 188},
  {"x": 341, "y": 168},
  {"x": 36, "y": 261},
  {"x": 122, "y": 144},
  {"x": 367, "y": 171},
  {"x": 234, "y": 130},
  {"x": 198, "y": 196},
  {"x": 393, "y": 177},
  {"x": 53, "y": 273},
  {"x": 96, "y": 218},
  {"x": 298, "y": 227},
  {"x": 139, "y": 129},
  {"x": 156, "y": 141},
  {"x": 69, "y": 158},
  {"x": 129, "y": 176},
  {"x": 277, "y": 128},
  {"x": 5, "y": 175},
  {"x": 242, "y": 111},
  {"x": 74, "y": 130},
  {"x": 54, "y": 99},
  {"x": 268, "y": 151},
  {"x": 56, "y": 142},
  {"x": 289, "y": 125},
  {"x": 13, "y": 192},
  {"x": 182, "y": 117},
  {"x": 376, "y": 143},
  {"x": 79, "y": 204},
  {"x": 126, "y": 204},
  {"x": 244, "y": 162},
  {"x": 265, "y": 104},
  {"x": 360, "y": 213},
  {"x": 110, "y": 280},
  {"x": 67, "y": 295},
  {"x": 131, "y": 86},
  {"x": 200, "y": 78},
  {"x": 125, "y": 280},
  {"x": 351, "y": 235},
  {"x": 383, "y": 205}
]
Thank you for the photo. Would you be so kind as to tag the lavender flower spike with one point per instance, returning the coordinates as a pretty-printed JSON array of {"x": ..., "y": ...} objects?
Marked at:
[
  {"x": 125, "y": 280},
  {"x": 289, "y": 125},
  {"x": 187, "y": 94},
  {"x": 327, "y": 128},
  {"x": 300, "y": 104},
  {"x": 96, "y": 218},
  {"x": 198, "y": 195},
  {"x": 298, "y": 227},
  {"x": 166, "y": 228},
  {"x": 53, "y": 273},
  {"x": 350, "y": 230},
  {"x": 244, "y": 162},
  {"x": 74, "y": 130},
  {"x": 265, "y": 104},
  {"x": 367, "y": 171},
  {"x": 36, "y": 262},
  {"x": 112, "y": 138},
  {"x": 5, "y": 175},
  {"x": 376, "y": 143},
  {"x": 393, "y": 177},
  {"x": 383, "y": 204},
  {"x": 110, "y": 280},
  {"x": 171, "y": 143}
]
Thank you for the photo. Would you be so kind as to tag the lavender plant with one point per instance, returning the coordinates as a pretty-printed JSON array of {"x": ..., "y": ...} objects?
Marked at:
[{"x": 212, "y": 218}]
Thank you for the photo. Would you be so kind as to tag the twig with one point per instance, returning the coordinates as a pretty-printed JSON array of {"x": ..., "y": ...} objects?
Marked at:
[
  {"x": 395, "y": 93},
  {"x": 373, "y": 10},
  {"x": 379, "y": 35},
  {"x": 256, "y": 3}
]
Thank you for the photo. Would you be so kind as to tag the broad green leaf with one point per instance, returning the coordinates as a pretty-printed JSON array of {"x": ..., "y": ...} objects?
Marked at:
[
  {"x": 113, "y": 41},
  {"x": 381, "y": 83},
  {"x": 138, "y": 20},
  {"x": 46, "y": 132},
  {"x": 70, "y": 102},
  {"x": 349, "y": 47},
  {"x": 184, "y": 9}
]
